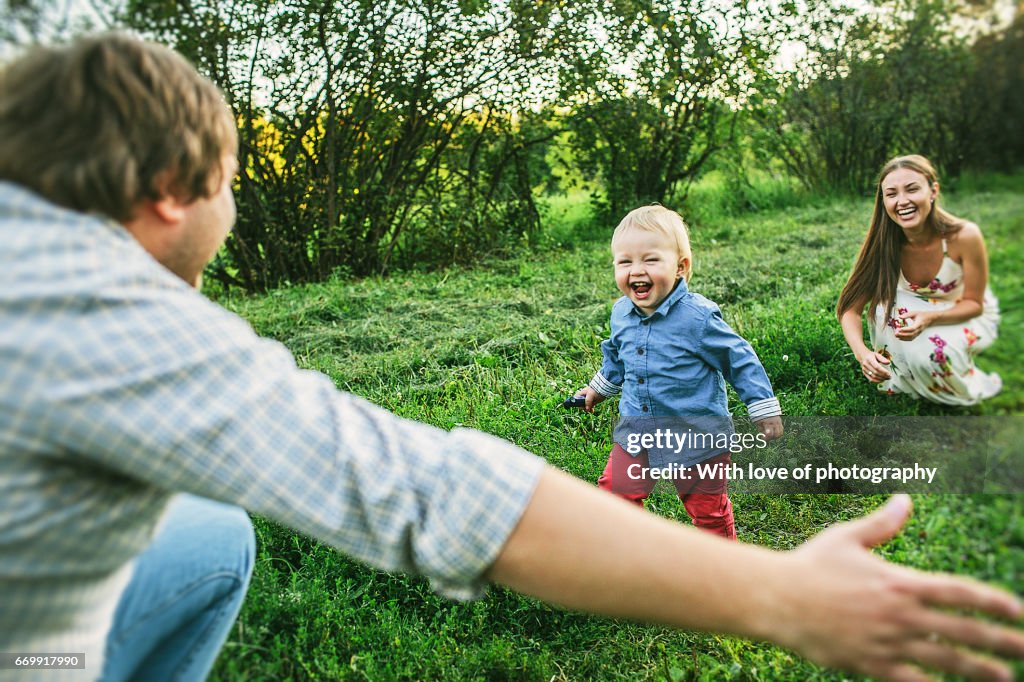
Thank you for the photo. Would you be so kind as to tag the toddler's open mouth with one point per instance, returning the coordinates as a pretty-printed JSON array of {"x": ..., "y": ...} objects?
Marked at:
[{"x": 641, "y": 289}]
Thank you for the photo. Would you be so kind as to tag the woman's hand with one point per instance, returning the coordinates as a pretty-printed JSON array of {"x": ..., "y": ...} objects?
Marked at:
[
  {"x": 914, "y": 323},
  {"x": 875, "y": 367},
  {"x": 592, "y": 396}
]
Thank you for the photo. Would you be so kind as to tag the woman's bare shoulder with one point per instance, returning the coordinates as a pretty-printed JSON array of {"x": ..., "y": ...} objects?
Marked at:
[
  {"x": 968, "y": 231},
  {"x": 965, "y": 241}
]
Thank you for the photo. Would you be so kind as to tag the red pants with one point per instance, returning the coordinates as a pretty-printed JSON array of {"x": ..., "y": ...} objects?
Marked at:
[{"x": 705, "y": 499}]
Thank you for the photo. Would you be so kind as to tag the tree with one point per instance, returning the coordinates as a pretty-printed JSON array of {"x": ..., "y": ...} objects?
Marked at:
[
  {"x": 370, "y": 105},
  {"x": 872, "y": 86},
  {"x": 658, "y": 93},
  {"x": 995, "y": 98}
]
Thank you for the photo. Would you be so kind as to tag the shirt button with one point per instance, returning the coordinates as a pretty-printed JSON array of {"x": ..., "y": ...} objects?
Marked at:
[
  {"x": 640, "y": 351},
  {"x": 644, "y": 408},
  {"x": 641, "y": 380}
]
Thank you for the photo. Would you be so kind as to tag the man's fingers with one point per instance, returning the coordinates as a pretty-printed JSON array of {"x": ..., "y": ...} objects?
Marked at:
[
  {"x": 974, "y": 633},
  {"x": 937, "y": 655},
  {"x": 933, "y": 653},
  {"x": 964, "y": 593},
  {"x": 897, "y": 672},
  {"x": 881, "y": 525}
]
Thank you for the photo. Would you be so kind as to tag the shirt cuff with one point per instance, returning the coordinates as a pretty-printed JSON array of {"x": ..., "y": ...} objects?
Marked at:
[
  {"x": 763, "y": 409},
  {"x": 603, "y": 386}
]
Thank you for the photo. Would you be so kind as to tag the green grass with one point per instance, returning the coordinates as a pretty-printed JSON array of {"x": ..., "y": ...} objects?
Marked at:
[
  {"x": 722, "y": 195},
  {"x": 497, "y": 348}
]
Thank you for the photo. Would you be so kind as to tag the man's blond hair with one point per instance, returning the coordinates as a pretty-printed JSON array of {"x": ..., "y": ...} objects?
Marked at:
[
  {"x": 108, "y": 121},
  {"x": 662, "y": 221}
]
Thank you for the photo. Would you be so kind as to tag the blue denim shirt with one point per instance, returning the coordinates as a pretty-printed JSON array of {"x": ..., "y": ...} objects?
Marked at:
[{"x": 675, "y": 363}]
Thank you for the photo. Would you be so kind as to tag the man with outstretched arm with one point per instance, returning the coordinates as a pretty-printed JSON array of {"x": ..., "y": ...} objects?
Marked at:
[{"x": 137, "y": 419}]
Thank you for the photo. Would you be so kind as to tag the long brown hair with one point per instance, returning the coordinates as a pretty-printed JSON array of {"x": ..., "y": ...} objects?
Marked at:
[{"x": 877, "y": 269}]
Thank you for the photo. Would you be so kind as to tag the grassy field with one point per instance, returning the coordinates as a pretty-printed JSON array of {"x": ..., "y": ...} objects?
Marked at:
[{"x": 498, "y": 346}]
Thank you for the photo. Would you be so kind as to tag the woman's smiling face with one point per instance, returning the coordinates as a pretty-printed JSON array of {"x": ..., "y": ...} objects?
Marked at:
[
  {"x": 647, "y": 267},
  {"x": 908, "y": 197}
]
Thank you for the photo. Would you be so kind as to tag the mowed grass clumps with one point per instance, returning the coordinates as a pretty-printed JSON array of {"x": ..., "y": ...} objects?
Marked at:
[{"x": 499, "y": 346}]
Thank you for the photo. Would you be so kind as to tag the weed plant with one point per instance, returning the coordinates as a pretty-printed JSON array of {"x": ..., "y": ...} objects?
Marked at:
[{"x": 499, "y": 346}]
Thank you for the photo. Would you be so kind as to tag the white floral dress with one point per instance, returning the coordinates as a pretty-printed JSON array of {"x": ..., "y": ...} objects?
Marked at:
[{"x": 938, "y": 365}]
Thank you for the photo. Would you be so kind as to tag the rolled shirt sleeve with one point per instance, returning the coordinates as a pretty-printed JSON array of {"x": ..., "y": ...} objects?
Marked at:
[
  {"x": 608, "y": 380},
  {"x": 174, "y": 391},
  {"x": 120, "y": 386}
]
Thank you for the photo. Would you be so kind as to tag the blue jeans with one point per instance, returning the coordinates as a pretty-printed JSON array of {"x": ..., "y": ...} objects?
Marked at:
[{"x": 184, "y": 596}]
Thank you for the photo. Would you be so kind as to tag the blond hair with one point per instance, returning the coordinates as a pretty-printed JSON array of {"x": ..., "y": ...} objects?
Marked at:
[
  {"x": 108, "y": 121},
  {"x": 662, "y": 221}
]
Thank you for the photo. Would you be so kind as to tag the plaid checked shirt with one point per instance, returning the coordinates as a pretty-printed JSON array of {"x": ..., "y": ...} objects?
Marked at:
[{"x": 120, "y": 385}]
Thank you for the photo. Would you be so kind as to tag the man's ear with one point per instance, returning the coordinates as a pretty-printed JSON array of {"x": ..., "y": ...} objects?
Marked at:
[
  {"x": 168, "y": 206},
  {"x": 169, "y": 209}
]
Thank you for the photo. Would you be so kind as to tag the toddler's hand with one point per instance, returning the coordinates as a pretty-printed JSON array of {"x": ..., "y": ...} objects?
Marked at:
[
  {"x": 592, "y": 396},
  {"x": 770, "y": 428}
]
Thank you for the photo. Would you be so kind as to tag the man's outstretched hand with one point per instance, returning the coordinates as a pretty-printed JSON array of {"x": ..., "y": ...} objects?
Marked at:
[
  {"x": 830, "y": 599},
  {"x": 862, "y": 613}
]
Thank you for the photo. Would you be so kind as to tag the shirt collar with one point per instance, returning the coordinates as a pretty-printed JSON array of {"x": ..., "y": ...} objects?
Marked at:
[
  {"x": 14, "y": 196},
  {"x": 678, "y": 292}
]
